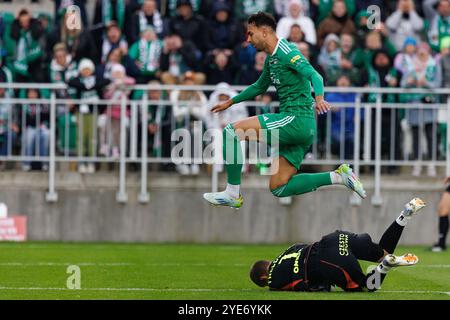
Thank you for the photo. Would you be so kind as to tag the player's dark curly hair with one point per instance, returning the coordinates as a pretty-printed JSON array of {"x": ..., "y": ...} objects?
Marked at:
[
  {"x": 262, "y": 19},
  {"x": 259, "y": 272}
]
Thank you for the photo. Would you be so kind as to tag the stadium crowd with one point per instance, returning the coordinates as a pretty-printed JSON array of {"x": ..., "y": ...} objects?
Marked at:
[{"x": 204, "y": 42}]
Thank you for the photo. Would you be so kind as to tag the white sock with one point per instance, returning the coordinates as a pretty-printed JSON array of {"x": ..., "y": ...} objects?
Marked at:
[
  {"x": 382, "y": 268},
  {"x": 233, "y": 190},
  {"x": 401, "y": 220},
  {"x": 335, "y": 178}
]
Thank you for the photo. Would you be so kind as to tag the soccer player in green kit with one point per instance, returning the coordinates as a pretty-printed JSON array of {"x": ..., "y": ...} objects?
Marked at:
[{"x": 294, "y": 127}]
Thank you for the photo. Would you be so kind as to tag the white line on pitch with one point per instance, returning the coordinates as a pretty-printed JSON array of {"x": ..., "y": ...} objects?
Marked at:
[
  {"x": 126, "y": 289},
  {"x": 118, "y": 264},
  {"x": 188, "y": 290}
]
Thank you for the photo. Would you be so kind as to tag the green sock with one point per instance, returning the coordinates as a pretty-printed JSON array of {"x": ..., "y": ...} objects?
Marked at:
[
  {"x": 232, "y": 155},
  {"x": 303, "y": 183}
]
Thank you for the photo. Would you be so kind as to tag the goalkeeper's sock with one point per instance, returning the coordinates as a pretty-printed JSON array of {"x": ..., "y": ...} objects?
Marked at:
[
  {"x": 382, "y": 268},
  {"x": 443, "y": 230},
  {"x": 391, "y": 236},
  {"x": 233, "y": 190},
  {"x": 232, "y": 155},
  {"x": 303, "y": 183}
]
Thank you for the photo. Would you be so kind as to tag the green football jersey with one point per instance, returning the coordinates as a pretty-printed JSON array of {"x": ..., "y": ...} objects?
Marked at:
[{"x": 291, "y": 74}]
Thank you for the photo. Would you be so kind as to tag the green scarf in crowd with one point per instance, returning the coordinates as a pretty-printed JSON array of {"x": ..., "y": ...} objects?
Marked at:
[
  {"x": 27, "y": 50},
  {"x": 107, "y": 12},
  {"x": 147, "y": 53}
]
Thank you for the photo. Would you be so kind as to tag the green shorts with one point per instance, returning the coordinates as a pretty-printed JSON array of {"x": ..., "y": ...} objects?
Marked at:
[{"x": 295, "y": 134}]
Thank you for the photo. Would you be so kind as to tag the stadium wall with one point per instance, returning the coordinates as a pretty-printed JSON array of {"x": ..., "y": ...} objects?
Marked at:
[{"x": 87, "y": 210}]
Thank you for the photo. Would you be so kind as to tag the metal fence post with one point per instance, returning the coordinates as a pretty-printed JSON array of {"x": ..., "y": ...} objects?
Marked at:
[
  {"x": 51, "y": 195},
  {"x": 354, "y": 198},
  {"x": 133, "y": 131},
  {"x": 144, "y": 196},
  {"x": 121, "y": 195},
  {"x": 376, "y": 198}
]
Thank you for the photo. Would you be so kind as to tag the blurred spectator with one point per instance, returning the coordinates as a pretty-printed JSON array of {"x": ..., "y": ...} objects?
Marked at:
[
  {"x": 444, "y": 63},
  {"x": 67, "y": 135},
  {"x": 36, "y": 135},
  {"x": 47, "y": 26},
  {"x": 223, "y": 30},
  {"x": 146, "y": 53},
  {"x": 117, "y": 55},
  {"x": 115, "y": 91},
  {"x": 342, "y": 120},
  {"x": 79, "y": 42},
  {"x": 382, "y": 74},
  {"x": 223, "y": 92},
  {"x": 107, "y": 11},
  {"x": 424, "y": 74},
  {"x": 296, "y": 34},
  {"x": 325, "y": 7},
  {"x": 244, "y": 8},
  {"x": 113, "y": 40},
  {"x": 27, "y": 58},
  {"x": 61, "y": 7},
  {"x": 330, "y": 58},
  {"x": 177, "y": 58},
  {"x": 250, "y": 75},
  {"x": 339, "y": 21},
  {"x": 404, "y": 23},
  {"x": 8, "y": 124},
  {"x": 404, "y": 59},
  {"x": 296, "y": 16},
  {"x": 186, "y": 114},
  {"x": 159, "y": 124},
  {"x": 147, "y": 16},
  {"x": 245, "y": 55},
  {"x": 220, "y": 67},
  {"x": 437, "y": 12},
  {"x": 375, "y": 40},
  {"x": 189, "y": 26},
  {"x": 89, "y": 89},
  {"x": 169, "y": 7},
  {"x": 282, "y": 8},
  {"x": 362, "y": 27},
  {"x": 348, "y": 55},
  {"x": 62, "y": 69}
]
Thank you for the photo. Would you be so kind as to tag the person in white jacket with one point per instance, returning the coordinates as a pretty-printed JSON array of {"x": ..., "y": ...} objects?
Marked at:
[
  {"x": 296, "y": 16},
  {"x": 189, "y": 106},
  {"x": 404, "y": 23},
  {"x": 222, "y": 93}
]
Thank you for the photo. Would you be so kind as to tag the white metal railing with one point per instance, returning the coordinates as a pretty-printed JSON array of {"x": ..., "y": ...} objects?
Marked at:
[{"x": 368, "y": 117}]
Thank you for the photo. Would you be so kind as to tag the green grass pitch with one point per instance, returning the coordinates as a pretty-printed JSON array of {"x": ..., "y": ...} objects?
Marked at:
[{"x": 38, "y": 270}]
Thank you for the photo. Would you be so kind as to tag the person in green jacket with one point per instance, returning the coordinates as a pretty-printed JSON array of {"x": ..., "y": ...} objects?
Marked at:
[
  {"x": 27, "y": 58},
  {"x": 294, "y": 128}
]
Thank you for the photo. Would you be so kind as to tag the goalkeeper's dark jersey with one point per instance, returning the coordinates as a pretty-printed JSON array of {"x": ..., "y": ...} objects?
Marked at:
[{"x": 287, "y": 271}]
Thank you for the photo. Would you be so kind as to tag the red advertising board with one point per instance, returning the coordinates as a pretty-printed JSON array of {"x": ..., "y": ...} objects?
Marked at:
[{"x": 13, "y": 228}]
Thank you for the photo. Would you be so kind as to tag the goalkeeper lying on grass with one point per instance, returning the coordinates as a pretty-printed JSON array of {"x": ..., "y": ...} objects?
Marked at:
[{"x": 333, "y": 261}]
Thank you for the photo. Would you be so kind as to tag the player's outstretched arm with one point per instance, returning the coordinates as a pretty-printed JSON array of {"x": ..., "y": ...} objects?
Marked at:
[
  {"x": 259, "y": 87},
  {"x": 222, "y": 106}
]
